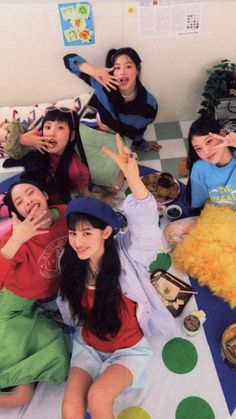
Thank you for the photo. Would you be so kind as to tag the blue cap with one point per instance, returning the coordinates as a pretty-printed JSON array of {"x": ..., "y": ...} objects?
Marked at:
[{"x": 96, "y": 208}]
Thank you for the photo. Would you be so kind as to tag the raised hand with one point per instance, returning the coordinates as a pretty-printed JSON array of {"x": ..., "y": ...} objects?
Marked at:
[
  {"x": 105, "y": 78},
  {"x": 33, "y": 225},
  {"x": 225, "y": 141},
  {"x": 127, "y": 162},
  {"x": 125, "y": 159},
  {"x": 33, "y": 139}
]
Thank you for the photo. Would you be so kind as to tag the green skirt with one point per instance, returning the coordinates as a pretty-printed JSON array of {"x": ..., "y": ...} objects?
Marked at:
[{"x": 32, "y": 345}]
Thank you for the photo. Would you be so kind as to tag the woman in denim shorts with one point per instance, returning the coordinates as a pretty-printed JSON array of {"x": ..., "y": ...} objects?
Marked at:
[{"x": 106, "y": 282}]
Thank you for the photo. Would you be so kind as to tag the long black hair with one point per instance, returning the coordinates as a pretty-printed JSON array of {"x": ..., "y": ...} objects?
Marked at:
[
  {"x": 104, "y": 317},
  {"x": 202, "y": 126},
  {"x": 8, "y": 196},
  {"x": 37, "y": 165}
]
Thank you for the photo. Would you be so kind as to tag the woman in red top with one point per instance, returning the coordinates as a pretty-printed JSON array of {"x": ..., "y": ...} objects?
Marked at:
[
  {"x": 32, "y": 345},
  {"x": 110, "y": 351},
  {"x": 58, "y": 159}
]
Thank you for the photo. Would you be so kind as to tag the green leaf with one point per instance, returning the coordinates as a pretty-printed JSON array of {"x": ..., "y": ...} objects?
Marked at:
[{"x": 163, "y": 261}]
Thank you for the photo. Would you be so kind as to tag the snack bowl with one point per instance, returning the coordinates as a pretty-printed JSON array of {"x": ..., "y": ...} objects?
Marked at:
[
  {"x": 174, "y": 212},
  {"x": 154, "y": 183}
]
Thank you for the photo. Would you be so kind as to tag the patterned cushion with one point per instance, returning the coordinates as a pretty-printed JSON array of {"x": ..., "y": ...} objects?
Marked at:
[{"x": 32, "y": 115}]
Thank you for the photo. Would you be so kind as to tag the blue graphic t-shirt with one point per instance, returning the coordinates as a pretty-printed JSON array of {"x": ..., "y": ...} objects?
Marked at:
[{"x": 214, "y": 183}]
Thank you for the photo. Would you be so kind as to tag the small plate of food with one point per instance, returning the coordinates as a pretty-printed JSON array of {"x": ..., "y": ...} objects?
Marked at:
[{"x": 164, "y": 187}]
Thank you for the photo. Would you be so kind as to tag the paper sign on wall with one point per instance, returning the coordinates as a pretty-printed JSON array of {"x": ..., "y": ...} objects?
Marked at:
[
  {"x": 77, "y": 23},
  {"x": 164, "y": 18}
]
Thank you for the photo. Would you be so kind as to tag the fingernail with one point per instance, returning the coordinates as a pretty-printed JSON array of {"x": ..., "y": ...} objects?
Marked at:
[{"x": 131, "y": 155}]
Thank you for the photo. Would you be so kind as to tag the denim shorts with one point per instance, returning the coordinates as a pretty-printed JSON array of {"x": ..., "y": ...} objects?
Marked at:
[{"x": 136, "y": 358}]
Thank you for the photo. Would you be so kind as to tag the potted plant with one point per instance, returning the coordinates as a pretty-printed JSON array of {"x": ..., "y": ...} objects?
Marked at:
[{"x": 220, "y": 83}]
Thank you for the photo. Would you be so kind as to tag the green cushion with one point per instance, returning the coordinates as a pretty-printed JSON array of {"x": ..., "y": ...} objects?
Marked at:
[{"x": 103, "y": 170}]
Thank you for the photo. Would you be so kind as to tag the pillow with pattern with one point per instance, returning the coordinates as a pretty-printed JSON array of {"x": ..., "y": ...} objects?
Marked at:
[{"x": 32, "y": 115}]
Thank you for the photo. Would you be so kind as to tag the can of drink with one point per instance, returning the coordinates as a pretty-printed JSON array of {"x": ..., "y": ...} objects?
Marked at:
[
  {"x": 193, "y": 322},
  {"x": 229, "y": 346}
]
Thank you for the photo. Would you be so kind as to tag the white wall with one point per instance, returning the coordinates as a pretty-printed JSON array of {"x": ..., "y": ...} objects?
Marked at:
[{"x": 31, "y": 48}]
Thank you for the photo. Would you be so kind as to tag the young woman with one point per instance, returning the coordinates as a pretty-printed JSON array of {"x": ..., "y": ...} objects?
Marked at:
[
  {"x": 56, "y": 163},
  {"x": 106, "y": 282},
  {"x": 212, "y": 164},
  {"x": 212, "y": 172},
  {"x": 122, "y": 103},
  {"x": 60, "y": 162},
  {"x": 32, "y": 345}
]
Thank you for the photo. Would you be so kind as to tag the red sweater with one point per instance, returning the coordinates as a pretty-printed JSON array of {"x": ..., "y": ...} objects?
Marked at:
[
  {"x": 33, "y": 272},
  {"x": 78, "y": 175},
  {"x": 78, "y": 172}
]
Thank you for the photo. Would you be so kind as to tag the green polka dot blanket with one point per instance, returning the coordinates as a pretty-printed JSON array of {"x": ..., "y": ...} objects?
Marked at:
[{"x": 188, "y": 378}]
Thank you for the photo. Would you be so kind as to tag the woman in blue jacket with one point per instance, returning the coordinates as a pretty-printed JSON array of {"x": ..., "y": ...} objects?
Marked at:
[{"x": 122, "y": 103}]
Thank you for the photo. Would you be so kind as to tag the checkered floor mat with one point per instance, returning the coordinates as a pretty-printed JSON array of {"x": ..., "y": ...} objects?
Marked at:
[{"x": 172, "y": 136}]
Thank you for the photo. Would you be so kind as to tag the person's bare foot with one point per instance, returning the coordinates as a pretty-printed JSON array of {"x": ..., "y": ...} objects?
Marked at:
[
  {"x": 147, "y": 146},
  {"x": 153, "y": 146}
]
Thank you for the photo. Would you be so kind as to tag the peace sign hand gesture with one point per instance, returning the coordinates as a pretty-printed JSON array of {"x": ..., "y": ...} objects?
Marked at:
[
  {"x": 227, "y": 141},
  {"x": 125, "y": 159},
  {"x": 127, "y": 162}
]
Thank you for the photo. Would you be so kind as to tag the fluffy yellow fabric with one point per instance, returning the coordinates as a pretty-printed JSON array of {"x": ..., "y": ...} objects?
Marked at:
[{"x": 208, "y": 251}]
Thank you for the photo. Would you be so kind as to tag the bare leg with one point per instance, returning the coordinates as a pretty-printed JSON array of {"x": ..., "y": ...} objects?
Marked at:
[
  {"x": 74, "y": 404},
  {"x": 110, "y": 195},
  {"x": 106, "y": 388},
  {"x": 120, "y": 180},
  {"x": 19, "y": 396}
]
